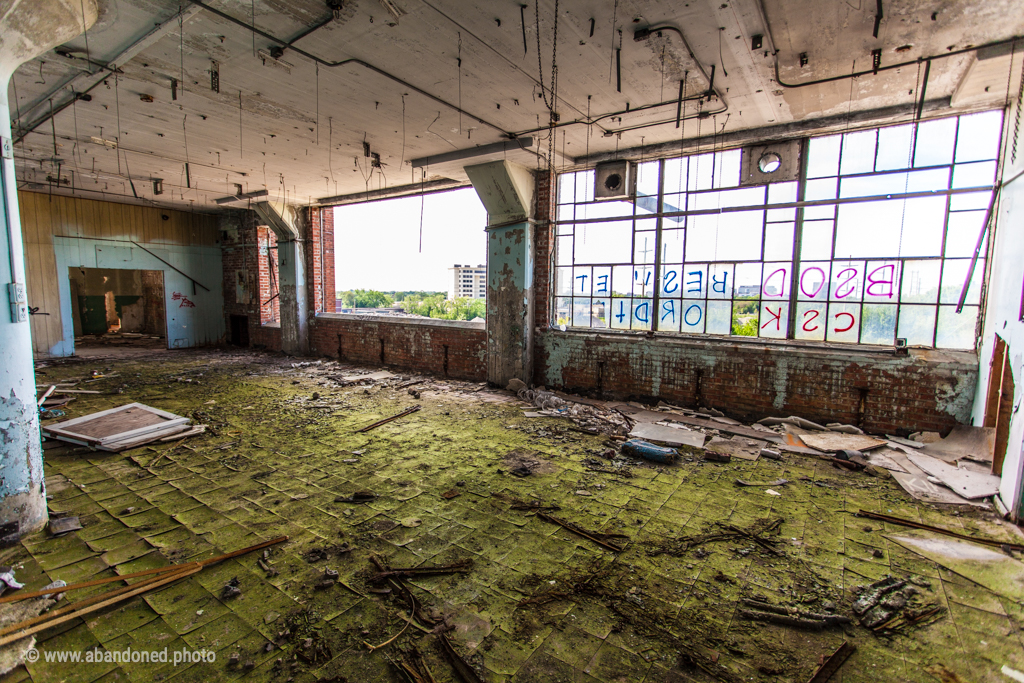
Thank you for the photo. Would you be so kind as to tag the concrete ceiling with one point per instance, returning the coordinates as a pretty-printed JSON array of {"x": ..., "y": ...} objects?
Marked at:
[{"x": 297, "y": 129}]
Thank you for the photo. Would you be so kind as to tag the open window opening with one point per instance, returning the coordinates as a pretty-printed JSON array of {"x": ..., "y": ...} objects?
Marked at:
[
  {"x": 420, "y": 256},
  {"x": 999, "y": 401},
  {"x": 269, "y": 278},
  {"x": 880, "y": 240},
  {"x": 115, "y": 307}
]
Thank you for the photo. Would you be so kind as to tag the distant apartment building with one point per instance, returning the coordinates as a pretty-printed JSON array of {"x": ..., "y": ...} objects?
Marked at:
[{"x": 468, "y": 282}]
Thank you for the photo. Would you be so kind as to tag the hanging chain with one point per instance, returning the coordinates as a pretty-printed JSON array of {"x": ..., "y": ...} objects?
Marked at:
[
  {"x": 554, "y": 59},
  {"x": 1016, "y": 120}
]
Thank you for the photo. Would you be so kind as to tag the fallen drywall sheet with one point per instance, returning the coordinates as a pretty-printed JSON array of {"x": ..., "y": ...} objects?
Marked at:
[
  {"x": 834, "y": 441},
  {"x": 978, "y": 443},
  {"x": 918, "y": 486},
  {"x": 986, "y": 567},
  {"x": 745, "y": 449},
  {"x": 668, "y": 435},
  {"x": 883, "y": 457},
  {"x": 967, "y": 483}
]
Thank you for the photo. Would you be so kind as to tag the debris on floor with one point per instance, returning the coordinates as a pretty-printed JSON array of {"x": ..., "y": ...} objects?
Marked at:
[{"x": 122, "y": 428}]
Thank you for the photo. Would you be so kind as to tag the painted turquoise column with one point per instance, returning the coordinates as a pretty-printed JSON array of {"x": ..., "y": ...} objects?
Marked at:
[
  {"x": 509, "y": 323},
  {"x": 27, "y": 29}
]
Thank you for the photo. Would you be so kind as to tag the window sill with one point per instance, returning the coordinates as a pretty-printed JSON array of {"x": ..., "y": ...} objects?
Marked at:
[
  {"x": 402, "y": 320},
  {"x": 273, "y": 324},
  {"x": 762, "y": 343}
]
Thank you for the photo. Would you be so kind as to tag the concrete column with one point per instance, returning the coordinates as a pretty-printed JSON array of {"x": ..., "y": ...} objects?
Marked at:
[
  {"x": 290, "y": 226},
  {"x": 506, "y": 190},
  {"x": 27, "y": 29}
]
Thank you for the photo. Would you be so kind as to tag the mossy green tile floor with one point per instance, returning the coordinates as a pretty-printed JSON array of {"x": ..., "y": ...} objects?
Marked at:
[{"x": 539, "y": 603}]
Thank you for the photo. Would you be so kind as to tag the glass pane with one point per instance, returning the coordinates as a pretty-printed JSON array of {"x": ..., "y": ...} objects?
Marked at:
[
  {"x": 727, "y": 171},
  {"x": 701, "y": 169},
  {"x": 920, "y": 282},
  {"x": 564, "y": 229},
  {"x": 647, "y": 179},
  {"x": 642, "y": 314},
  {"x": 782, "y": 193},
  {"x": 675, "y": 174},
  {"x": 720, "y": 281},
  {"x": 817, "y": 240},
  {"x": 935, "y": 140},
  {"x": 810, "y": 321},
  {"x": 728, "y": 236},
  {"x": 843, "y": 323},
  {"x": 917, "y": 325},
  {"x": 695, "y": 281},
  {"x": 612, "y": 209},
  {"x": 823, "y": 156},
  {"x": 582, "y": 281},
  {"x": 622, "y": 280},
  {"x": 895, "y": 148},
  {"x": 604, "y": 242},
  {"x": 780, "y": 215},
  {"x": 858, "y": 152},
  {"x": 719, "y": 317},
  {"x": 820, "y": 189},
  {"x": 585, "y": 186},
  {"x": 956, "y": 330},
  {"x": 563, "y": 281},
  {"x": 748, "y": 281},
  {"x": 672, "y": 242},
  {"x": 881, "y": 281},
  {"x": 778, "y": 241},
  {"x": 969, "y": 201},
  {"x": 847, "y": 281},
  {"x": 643, "y": 280},
  {"x": 602, "y": 281},
  {"x": 980, "y": 174},
  {"x": 644, "y": 247},
  {"x": 566, "y": 212},
  {"x": 670, "y": 315},
  {"x": 776, "y": 281},
  {"x": 813, "y": 281},
  {"x": 826, "y": 212},
  {"x": 954, "y": 273},
  {"x": 566, "y": 188},
  {"x": 878, "y": 325},
  {"x": 774, "y": 322},
  {"x": 745, "y": 318},
  {"x": 962, "y": 233},
  {"x": 599, "y": 312},
  {"x": 978, "y": 136},
  {"x": 911, "y": 227},
  {"x": 563, "y": 250},
  {"x": 620, "y": 314},
  {"x": 895, "y": 183},
  {"x": 692, "y": 317},
  {"x": 563, "y": 311}
]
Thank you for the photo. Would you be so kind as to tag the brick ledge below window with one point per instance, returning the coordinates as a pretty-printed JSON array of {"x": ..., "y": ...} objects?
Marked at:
[{"x": 401, "y": 320}]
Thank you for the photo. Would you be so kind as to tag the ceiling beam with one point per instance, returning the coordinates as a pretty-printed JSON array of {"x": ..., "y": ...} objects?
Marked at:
[
  {"x": 82, "y": 83},
  {"x": 460, "y": 154},
  {"x": 427, "y": 187}
]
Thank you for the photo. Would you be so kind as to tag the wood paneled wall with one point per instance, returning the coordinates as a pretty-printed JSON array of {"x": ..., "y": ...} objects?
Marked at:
[{"x": 44, "y": 216}]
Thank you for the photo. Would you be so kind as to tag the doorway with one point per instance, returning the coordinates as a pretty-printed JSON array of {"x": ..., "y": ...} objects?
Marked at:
[
  {"x": 999, "y": 401},
  {"x": 114, "y": 307}
]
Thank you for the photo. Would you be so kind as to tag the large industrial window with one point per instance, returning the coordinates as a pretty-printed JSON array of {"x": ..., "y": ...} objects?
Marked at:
[{"x": 874, "y": 246}]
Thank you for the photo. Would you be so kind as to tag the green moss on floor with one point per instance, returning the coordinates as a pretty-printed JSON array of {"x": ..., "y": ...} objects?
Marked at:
[{"x": 539, "y": 602}]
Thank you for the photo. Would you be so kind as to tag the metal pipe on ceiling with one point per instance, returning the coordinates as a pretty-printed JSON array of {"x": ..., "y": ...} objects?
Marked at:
[{"x": 345, "y": 62}]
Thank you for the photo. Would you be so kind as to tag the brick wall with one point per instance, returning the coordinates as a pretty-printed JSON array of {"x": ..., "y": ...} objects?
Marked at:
[
  {"x": 320, "y": 259},
  {"x": 882, "y": 393},
  {"x": 241, "y": 259},
  {"x": 444, "y": 350}
]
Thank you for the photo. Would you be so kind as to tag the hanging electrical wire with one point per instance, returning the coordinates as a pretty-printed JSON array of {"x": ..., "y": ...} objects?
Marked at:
[{"x": 117, "y": 138}]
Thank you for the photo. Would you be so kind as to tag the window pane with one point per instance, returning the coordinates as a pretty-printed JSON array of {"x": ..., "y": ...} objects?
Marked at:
[
  {"x": 778, "y": 241},
  {"x": 813, "y": 282},
  {"x": 727, "y": 171},
  {"x": 956, "y": 330},
  {"x": 581, "y": 312},
  {"x": 858, "y": 152},
  {"x": 669, "y": 315},
  {"x": 622, "y": 280},
  {"x": 604, "y": 242},
  {"x": 774, "y": 322},
  {"x": 881, "y": 281},
  {"x": 978, "y": 136},
  {"x": 916, "y": 325},
  {"x": 823, "y": 156},
  {"x": 566, "y": 212},
  {"x": 745, "y": 317},
  {"x": 847, "y": 281},
  {"x": 935, "y": 141},
  {"x": 643, "y": 281},
  {"x": 563, "y": 282},
  {"x": 719, "y": 317},
  {"x": 675, "y": 174},
  {"x": 644, "y": 247},
  {"x": 720, "y": 281},
  {"x": 599, "y": 312},
  {"x": 843, "y": 323},
  {"x": 820, "y": 189},
  {"x": 692, "y": 317},
  {"x": 782, "y": 193},
  {"x": 969, "y": 201},
  {"x": 980, "y": 174},
  {"x": 672, "y": 246},
  {"x": 563, "y": 311},
  {"x": 748, "y": 281},
  {"x": 895, "y": 148},
  {"x": 954, "y": 273},
  {"x": 776, "y": 281},
  {"x": 647, "y": 179},
  {"x": 701, "y": 172},
  {"x": 642, "y": 314},
  {"x": 878, "y": 325},
  {"x": 602, "y": 285},
  {"x": 911, "y": 227},
  {"x": 613, "y": 209},
  {"x": 725, "y": 237},
  {"x": 695, "y": 281},
  {"x": 621, "y": 315},
  {"x": 585, "y": 186},
  {"x": 810, "y": 321},
  {"x": 582, "y": 281},
  {"x": 963, "y": 231},
  {"x": 817, "y": 240},
  {"x": 563, "y": 250},
  {"x": 920, "y": 282}
]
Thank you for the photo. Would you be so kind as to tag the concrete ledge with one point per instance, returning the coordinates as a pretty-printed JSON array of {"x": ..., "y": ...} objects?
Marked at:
[
  {"x": 402, "y": 320},
  {"x": 708, "y": 341}
]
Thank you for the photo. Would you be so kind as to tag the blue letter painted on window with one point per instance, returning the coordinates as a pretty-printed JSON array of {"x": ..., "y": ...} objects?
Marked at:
[
  {"x": 668, "y": 308},
  {"x": 621, "y": 315},
  {"x": 583, "y": 283},
  {"x": 645, "y": 316},
  {"x": 671, "y": 285},
  {"x": 699, "y": 282},
  {"x": 602, "y": 284},
  {"x": 715, "y": 283},
  {"x": 687, "y": 317}
]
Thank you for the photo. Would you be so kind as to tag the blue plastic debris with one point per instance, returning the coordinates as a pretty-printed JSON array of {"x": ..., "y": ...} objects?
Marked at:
[{"x": 649, "y": 451}]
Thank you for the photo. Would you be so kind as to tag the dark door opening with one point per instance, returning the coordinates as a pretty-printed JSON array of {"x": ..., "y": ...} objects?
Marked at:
[
  {"x": 999, "y": 402},
  {"x": 240, "y": 330},
  {"x": 118, "y": 307}
]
